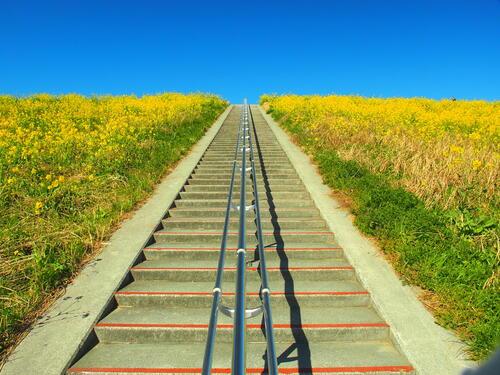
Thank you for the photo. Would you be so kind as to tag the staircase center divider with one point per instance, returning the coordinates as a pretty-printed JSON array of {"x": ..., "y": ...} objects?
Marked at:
[{"x": 240, "y": 313}]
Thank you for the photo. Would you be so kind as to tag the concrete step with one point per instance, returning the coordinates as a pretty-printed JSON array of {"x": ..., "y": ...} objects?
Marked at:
[
  {"x": 160, "y": 270},
  {"x": 259, "y": 176},
  {"x": 227, "y": 172},
  {"x": 268, "y": 165},
  {"x": 267, "y": 161},
  {"x": 300, "y": 195},
  {"x": 277, "y": 214},
  {"x": 264, "y": 204},
  {"x": 274, "y": 176},
  {"x": 230, "y": 156},
  {"x": 261, "y": 148},
  {"x": 261, "y": 184},
  {"x": 283, "y": 293},
  {"x": 200, "y": 251},
  {"x": 227, "y": 169},
  {"x": 337, "y": 357},
  {"x": 181, "y": 324},
  {"x": 275, "y": 259},
  {"x": 218, "y": 223},
  {"x": 269, "y": 237},
  {"x": 223, "y": 144},
  {"x": 263, "y": 189},
  {"x": 225, "y": 148}
]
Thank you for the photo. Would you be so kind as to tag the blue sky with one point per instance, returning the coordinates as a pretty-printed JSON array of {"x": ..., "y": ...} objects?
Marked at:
[{"x": 435, "y": 48}]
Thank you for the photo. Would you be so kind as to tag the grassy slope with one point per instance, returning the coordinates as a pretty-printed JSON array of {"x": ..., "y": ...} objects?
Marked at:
[
  {"x": 424, "y": 247},
  {"x": 75, "y": 234}
]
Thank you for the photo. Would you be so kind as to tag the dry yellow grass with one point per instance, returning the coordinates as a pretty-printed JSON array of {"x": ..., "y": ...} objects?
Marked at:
[
  {"x": 446, "y": 152},
  {"x": 422, "y": 177}
]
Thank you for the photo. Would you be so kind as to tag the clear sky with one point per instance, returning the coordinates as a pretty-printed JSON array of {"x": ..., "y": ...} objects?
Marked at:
[{"x": 433, "y": 48}]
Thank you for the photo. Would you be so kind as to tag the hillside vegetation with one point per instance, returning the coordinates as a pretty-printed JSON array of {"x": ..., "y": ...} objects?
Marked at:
[
  {"x": 70, "y": 167},
  {"x": 421, "y": 176}
]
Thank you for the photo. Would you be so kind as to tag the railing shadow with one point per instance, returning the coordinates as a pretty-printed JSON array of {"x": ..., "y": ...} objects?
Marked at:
[{"x": 301, "y": 343}]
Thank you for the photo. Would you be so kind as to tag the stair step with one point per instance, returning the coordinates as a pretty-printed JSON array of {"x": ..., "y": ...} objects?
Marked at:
[
  {"x": 277, "y": 214},
  {"x": 286, "y": 203},
  {"x": 269, "y": 237},
  {"x": 288, "y": 178},
  {"x": 218, "y": 223},
  {"x": 283, "y": 293},
  {"x": 273, "y": 261},
  {"x": 227, "y": 164},
  {"x": 341, "y": 357},
  {"x": 225, "y": 167},
  {"x": 157, "y": 324},
  {"x": 249, "y": 195},
  {"x": 152, "y": 270},
  {"x": 272, "y": 182},
  {"x": 191, "y": 251},
  {"x": 263, "y": 189}
]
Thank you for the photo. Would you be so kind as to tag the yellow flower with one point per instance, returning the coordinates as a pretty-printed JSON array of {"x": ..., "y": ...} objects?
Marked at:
[
  {"x": 475, "y": 136},
  {"x": 456, "y": 149},
  {"x": 38, "y": 207},
  {"x": 54, "y": 184},
  {"x": 476, "y": 164}
]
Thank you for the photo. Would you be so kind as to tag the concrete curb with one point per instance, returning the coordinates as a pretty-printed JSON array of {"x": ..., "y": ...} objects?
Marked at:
[
  {"x": 430, "y": 348},
  {"x": 59, "y": 334}
]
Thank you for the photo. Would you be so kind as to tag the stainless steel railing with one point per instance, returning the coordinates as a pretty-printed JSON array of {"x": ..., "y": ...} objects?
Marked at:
[
  {"x": 240, "y": 313},
  {"x": 217, "y": 290},
  {"x": 239, "y": 342}
]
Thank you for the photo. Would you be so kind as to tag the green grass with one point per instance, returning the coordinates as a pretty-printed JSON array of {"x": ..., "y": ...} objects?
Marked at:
[
  {"x": 440, "y": 251},
  {"x": 48, "y": 249}
]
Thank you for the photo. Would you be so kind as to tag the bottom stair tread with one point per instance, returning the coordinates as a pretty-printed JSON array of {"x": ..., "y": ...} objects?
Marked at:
[{"x": 376, "y": 357}]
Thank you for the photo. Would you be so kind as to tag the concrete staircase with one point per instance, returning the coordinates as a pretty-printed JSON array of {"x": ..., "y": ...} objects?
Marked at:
[{"x": 323, "y": 318}]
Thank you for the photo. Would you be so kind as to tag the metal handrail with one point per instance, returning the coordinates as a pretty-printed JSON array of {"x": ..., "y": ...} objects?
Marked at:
[
  {"x": 272, "y": 361},
  {"x": 239, "y": 313},
  {"x": 239, "y": 337},
  {"x": 217, "y": 290}
]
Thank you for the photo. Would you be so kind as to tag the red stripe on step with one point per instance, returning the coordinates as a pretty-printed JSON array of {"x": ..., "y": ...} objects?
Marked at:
[
  {"x": 224, "y": 210},
  {"x": 324, "y": 325},
  {"x": 171, "y": 219},
  {"x": 248, "y": 268},
  {"x": 249, "y": 326},
  {"x": 233, "y": 248},
  {"x": 127, "y": 293},
  {"x": 327, "y": 293},
  {"x": 233, "y": 233},
  {"x": 289, "y": 370},
  {"x": 158, "y": 325},
  {"x": 179, "y": 269}
]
